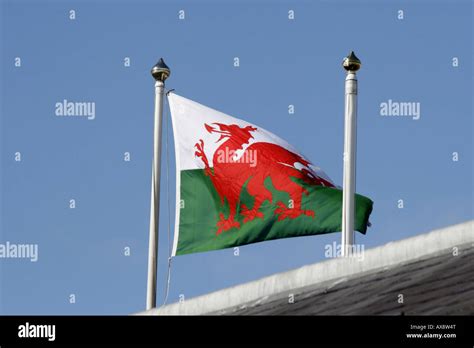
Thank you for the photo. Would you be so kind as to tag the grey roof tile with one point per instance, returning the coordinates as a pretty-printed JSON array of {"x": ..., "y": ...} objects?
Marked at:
[{"x": 441, "y": 284}]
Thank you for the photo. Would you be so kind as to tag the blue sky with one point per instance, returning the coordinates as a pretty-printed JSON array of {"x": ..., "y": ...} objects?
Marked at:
[{"x": 282, "y": 62}]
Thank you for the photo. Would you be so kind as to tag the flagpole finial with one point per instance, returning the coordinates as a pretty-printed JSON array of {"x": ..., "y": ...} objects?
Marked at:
[
  {"x": 160, "y": 71},
  {"x": 351, "y": 63}
]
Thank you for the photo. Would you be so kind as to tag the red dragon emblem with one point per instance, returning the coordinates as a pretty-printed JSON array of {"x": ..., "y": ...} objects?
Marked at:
[{"x": 230, "y": 175}]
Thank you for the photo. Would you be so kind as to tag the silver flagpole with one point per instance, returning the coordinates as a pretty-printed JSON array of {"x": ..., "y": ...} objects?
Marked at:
[
  {"x": 160, "y": 72},
  {"x": 351, "y": 64}
]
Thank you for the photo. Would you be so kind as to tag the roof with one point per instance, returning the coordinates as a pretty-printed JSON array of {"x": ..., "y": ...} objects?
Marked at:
[
  {"x": 432, "y": 273},
  {"x": 441, "y": 285}
]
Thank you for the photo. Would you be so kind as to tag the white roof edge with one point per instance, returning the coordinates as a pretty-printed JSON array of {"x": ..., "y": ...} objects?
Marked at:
[{"x": 389, "y": 254}]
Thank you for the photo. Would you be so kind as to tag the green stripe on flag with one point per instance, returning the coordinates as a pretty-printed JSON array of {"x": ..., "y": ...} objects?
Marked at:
[{"x": 201, "y": 206}]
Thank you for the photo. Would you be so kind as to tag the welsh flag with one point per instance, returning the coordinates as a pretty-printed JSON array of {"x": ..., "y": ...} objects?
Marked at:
[{"x": 238, "y": 184}]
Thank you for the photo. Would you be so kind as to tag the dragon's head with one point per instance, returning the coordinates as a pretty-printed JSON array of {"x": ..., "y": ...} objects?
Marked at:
[{"x": 235, "y": 133}]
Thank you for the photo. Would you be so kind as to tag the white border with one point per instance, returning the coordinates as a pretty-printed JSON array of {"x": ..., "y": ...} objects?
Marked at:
[{"x": 178, "y": 176}]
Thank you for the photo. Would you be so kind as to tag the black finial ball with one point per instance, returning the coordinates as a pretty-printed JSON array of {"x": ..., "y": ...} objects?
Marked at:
[
  {"x": 160, "y": 71},
  {"x": 351, "y": 62}
]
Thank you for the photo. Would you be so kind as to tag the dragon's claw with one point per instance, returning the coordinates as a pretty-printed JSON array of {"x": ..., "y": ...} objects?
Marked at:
[
  {"x": 250, "y": 214},
  {"x": 226, "y": 224},
  {"x": 284, "y": 212}
]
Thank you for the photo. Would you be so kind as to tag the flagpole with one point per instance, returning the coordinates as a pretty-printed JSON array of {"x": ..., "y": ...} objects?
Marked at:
[
  {"x": 351, "y": 64},
  {"x": 160, "y": 72}
]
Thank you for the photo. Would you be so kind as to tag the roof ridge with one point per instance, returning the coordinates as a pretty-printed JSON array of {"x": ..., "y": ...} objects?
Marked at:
[{"x": 390, "y": 254}]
